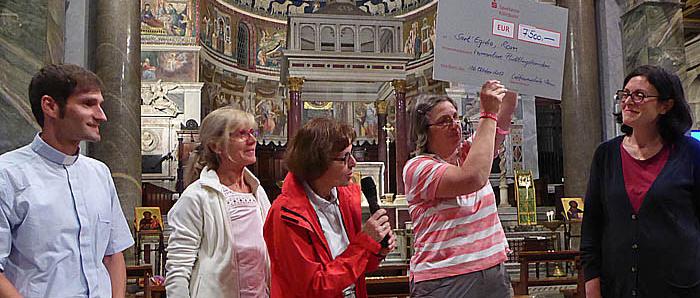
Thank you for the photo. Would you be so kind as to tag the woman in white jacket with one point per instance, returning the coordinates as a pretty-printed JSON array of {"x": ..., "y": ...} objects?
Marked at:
[{"x": 216, "y": 248}]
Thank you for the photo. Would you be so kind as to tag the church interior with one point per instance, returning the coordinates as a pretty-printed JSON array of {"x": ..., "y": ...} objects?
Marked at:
[{"x": 166, "y": 64}]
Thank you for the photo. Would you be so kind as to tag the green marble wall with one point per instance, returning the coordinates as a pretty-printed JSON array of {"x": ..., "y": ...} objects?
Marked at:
[
  {"x": 652, "y": 33},
  {"x": 31, "y": 35}
]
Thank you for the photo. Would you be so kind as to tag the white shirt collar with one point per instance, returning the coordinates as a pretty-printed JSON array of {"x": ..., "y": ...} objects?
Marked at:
[{"x": 318, "y": 201}]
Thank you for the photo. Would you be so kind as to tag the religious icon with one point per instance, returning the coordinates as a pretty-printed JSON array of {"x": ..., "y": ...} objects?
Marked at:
[
  {"x": 573, "y": 208},
  {"x": 148, "y": 218},
  {"x": 525, "y": 195}
]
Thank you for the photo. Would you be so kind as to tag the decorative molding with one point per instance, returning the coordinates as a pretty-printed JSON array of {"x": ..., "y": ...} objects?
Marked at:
[
  {"x": 168, "y": 40},
  {"x": 295, "y": 83},
  {"x": 156, "y": 96},
  {"x": 169, "y": 47},
  {"x": 399, "y": 85}
]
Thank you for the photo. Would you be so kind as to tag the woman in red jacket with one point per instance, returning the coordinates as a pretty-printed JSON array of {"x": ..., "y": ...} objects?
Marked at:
[{"x": 317, "y": 244}]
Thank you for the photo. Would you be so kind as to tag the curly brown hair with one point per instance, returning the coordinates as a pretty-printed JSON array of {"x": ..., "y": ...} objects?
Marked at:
[{"x": 314, "y": 146}]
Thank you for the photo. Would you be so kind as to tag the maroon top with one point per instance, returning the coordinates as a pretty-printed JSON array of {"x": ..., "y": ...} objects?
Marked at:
[{"x": 639, "y": 175}]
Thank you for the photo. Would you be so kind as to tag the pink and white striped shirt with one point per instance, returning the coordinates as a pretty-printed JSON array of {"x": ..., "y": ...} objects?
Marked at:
[{"x": 453, "y": 236}]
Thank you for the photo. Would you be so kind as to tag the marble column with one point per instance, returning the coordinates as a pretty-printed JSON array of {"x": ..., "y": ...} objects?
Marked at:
[
  {"x": 117, "y": 63},
  {"x": 294, "y": 114},
  {"x": 401, "y": 133},
  {"x": 31, "y": 36},
  {"x": 652, "y": 33},
  {"x": 611, "y": 62},
  {"x": 381, "y": 140},
  {"x": 580, "y": 104}
]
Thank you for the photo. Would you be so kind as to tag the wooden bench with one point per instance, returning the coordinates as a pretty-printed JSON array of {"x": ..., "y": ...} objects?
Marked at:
[
  {"x": 387, "y": 286},
  {"x": 527, "y": 257},
  {"x": 389, "y": 280}
]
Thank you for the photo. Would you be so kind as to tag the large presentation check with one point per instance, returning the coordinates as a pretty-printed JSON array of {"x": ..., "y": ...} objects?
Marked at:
[{"x": 519, "y": 42}]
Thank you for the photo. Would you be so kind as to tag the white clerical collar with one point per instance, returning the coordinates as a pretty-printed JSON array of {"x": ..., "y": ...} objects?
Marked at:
[{"x": 52, "y": 154}]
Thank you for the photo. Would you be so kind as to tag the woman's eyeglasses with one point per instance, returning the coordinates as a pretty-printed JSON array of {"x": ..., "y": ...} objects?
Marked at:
[
  {"x": 346, "y": 158},
  {"x": 637, "y": 96},
  {"x": 446, "y": 122},
  {"x": 244, "y": 134}
]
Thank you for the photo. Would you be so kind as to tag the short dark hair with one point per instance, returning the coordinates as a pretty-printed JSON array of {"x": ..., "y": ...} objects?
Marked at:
[
  {"x": 60, "y": 81},
  {"x": 314, "y": 146},
  {"x": 677, "y": 121},
  {"x": 424, "y": 103}
]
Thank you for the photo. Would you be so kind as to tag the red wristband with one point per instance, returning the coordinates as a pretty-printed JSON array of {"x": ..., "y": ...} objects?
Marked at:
[
  {"x": 489, "y": 115},
  {"x": 502, "y": 131}
]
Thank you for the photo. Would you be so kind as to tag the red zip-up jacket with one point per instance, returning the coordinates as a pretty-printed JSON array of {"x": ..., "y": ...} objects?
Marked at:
[{"x": 301, "y": 261}]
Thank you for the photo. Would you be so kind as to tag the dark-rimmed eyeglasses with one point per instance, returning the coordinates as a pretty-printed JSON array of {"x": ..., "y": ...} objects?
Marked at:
[
  {"x": 446, "y": 122},
  {"x": 244, "y": 134},
  {"x": 346, "y": 158},
  {"x": 636, "y": 96}
]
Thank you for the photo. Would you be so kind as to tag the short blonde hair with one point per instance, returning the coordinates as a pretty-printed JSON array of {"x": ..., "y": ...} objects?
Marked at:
[{"x": 215, "y": 129}]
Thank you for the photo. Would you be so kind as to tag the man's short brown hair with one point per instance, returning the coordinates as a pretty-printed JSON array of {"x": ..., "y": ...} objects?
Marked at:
[
  {"x": 60, "y": 81},
  {"x": 314, "y": 146}
]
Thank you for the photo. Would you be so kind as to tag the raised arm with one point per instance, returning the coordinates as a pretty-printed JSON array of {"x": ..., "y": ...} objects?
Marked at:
[
  {"x": 473, "y": 174},
  {"x": 505, "y": 115}
]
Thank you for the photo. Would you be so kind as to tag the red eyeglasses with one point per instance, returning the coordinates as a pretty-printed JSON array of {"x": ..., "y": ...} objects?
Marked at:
[{"x": 244, "y": 134}]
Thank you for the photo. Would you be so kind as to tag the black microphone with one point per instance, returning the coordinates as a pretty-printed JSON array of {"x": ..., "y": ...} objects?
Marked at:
[{"x": 369, "y": 189}]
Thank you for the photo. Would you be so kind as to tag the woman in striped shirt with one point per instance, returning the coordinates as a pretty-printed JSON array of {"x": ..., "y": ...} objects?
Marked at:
[{"x": 460, "y": 245}]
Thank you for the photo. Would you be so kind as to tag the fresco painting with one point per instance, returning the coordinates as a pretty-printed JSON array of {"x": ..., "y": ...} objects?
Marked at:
[
  {"x": 270, "y": 115},
  {"x": 270, "y": 46},
  {"x": 169, "y": 66},
  {"x": 167, "y": 17},
  {"x": 365, "y": 120},
  {"x": 419, "y": 34}
]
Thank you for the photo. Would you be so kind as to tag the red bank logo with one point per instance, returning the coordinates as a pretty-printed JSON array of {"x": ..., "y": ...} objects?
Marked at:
[{"x": 494, "y": 4}]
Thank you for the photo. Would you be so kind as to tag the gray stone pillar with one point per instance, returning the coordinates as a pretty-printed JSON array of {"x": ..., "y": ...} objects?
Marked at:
[
  {"x": 117, "y": 63},
  {"x": 581, "y": 121},
  {"x": 611, "y": 62}
]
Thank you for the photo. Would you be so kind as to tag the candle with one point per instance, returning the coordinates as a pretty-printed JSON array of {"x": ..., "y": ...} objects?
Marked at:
[{"x": 550, "y": 215}]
